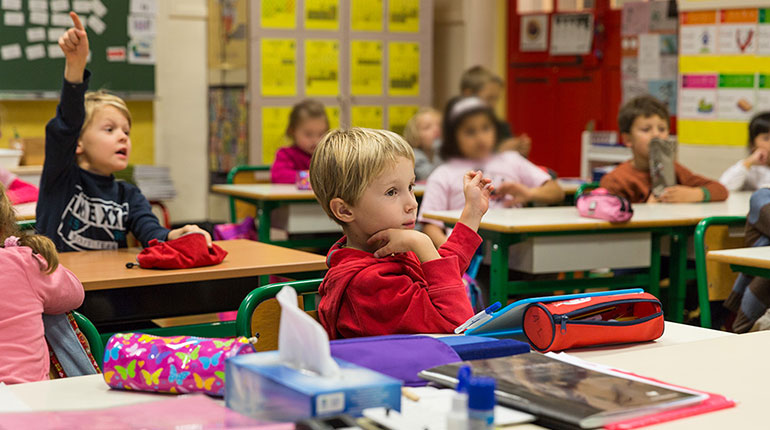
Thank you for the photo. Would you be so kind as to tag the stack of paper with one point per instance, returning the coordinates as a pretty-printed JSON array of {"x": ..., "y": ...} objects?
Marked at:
[{"x": 154, "y": 182}]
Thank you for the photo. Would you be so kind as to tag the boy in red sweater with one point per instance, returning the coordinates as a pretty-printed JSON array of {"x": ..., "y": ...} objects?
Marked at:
[
  {"x": 385, "y": 277},
  {"x": 640, "y": 120}
]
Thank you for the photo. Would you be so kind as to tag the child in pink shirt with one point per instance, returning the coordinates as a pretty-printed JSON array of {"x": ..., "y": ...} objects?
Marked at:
[
  {"x": 469, "y": 141},
  {"x": 307, "y": 125},
  {"x": 32, "y": 283}
]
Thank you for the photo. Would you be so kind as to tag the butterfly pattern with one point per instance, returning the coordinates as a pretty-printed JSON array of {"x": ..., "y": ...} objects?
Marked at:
[{"x": 179, "y": 364}]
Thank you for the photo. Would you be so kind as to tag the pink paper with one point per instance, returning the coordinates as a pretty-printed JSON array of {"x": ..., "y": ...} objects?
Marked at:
[{"x": 191, "y": 411}]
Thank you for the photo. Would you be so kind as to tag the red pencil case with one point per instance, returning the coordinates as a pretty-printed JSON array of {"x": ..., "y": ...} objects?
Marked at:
[{"x": 591, "y": 321}]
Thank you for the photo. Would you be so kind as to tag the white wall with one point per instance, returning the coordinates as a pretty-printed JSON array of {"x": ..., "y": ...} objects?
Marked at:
[
  {"x": 710, "y": 160},
  {"x": 181, "y": 106}
]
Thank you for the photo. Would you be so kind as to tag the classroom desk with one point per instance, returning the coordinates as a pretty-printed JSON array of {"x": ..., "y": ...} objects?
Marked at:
[
  {"x": 116, "y": 294},
  {"x": 683, "y": 355},
  {"x": 269, "y": 197},
  {"x": 751, "y": 261},
  {"x": 506, "y": 227}
]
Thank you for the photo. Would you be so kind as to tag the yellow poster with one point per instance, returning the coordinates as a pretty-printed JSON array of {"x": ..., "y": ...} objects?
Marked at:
[
  {"x": 403, "y": 69},
  {"x": 366, "y": 15},
  {"x": 322, "y": 14},
  {"x": 278, "y": 67},
  {"x": 366, "y": 67},
  {"x": 322, "y": 59},
  {"x": 333, "y": 113},
  {"x": 274, "y": 122},
  {"x": 404, "y": 16},
  {"x": 278, "y": 14},
  {"x": 367, "y": 116},
  {"x": 398, "y": 115}
]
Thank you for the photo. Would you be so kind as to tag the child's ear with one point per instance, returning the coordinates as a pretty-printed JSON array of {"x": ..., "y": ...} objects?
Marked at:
[
  {"x": 341, "y": 210},
  {"x": 625, "y": 139},
  {"x": 79, "y": 149}
]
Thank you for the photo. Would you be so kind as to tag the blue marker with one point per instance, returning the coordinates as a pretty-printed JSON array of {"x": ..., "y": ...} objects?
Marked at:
[{"x": 479, "y": 318}]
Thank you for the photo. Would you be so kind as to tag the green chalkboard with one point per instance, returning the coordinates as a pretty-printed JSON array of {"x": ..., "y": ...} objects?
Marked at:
[{"x": 24, "y": 75}]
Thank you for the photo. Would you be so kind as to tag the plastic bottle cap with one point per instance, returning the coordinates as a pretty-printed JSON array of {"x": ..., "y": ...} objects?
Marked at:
[{"x": 481, "y": 393}]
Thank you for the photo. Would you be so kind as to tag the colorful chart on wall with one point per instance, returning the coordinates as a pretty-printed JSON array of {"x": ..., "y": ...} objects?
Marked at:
[
  {"x": 228, "y": 37},
  {"x": 322, "y": 60},
  {"x": 322, "y": 14},
  {"x": 278, "y": 67},
  {"x": 404, "y": 16},
  {"x": 403, "y": 69},
  {"x": 278, "y": 14},
  {"x": 228, "y": 128},
  {"x": 274, "y": 122},
  {"x": 367, "y": 116},
  {"x": 333, "y": 113},
  {"x": 724, "y": 64},
  {"x": 366, "y": 67},
  {"x": 399, "y": 115},
  {"x": 366, "y": 15}
]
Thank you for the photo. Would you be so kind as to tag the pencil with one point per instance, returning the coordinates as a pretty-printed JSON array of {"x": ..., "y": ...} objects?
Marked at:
[{"x": 409, "y": 394}]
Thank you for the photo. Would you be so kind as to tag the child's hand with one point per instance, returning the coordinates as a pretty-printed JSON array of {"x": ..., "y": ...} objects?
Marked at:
[
  {"x": 477, "y": 190},
  {"x": 396, "y": 241},
  {"x": 74, "y": 44},
  {"x": 681, "y": 194},
  {"x": 652, "y": 199},
  {"x": 189, "y": 228},
  {"x": 757, "y": 158},
  {"x": 521, "y": 193}
]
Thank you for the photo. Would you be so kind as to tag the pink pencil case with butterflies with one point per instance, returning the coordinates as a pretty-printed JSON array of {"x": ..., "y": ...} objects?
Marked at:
[{"x": 180, "y": 364}]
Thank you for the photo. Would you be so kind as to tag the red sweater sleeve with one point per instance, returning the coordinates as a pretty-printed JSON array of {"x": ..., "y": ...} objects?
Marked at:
[
  {"x": 686, "y": 177},
  {"x": 407, "y": 303},
  {"x": 614, "y": 184},
  {"x": 282, "y": 171}
]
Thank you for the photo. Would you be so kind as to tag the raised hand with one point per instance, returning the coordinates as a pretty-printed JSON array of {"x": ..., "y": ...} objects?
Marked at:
[{"x": 74, "y": 44}]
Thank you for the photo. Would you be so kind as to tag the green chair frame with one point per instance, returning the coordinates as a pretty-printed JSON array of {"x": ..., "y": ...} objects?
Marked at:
[
  {"x": 584, "y": 188},
  {"x": 700, "y": 261},
  {"x": 261, "y": 294},
  {"x": 231, "y": 177},
  {"x": 92, "y": 336}
]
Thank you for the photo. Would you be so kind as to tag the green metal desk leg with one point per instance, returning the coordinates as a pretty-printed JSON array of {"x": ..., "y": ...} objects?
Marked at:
[
  {"x": 498, "y": 276},
  {"x": 654, "y": 284},
  {"x": 678, "y": 273},
  {"x": 264, "y": 212}
]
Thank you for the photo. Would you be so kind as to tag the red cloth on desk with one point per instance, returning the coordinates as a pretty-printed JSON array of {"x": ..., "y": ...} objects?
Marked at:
[
  {"x": 366, "y": 296},
  {"x": 21, "y": 192}
]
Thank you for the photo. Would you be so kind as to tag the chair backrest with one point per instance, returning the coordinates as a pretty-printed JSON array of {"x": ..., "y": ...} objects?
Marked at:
[
  {"x": 92, "y": 336},
  {"x": 260, "y": 312},
  {"x": 584, "y": 188},
  {"x": 246, "y": 175}
]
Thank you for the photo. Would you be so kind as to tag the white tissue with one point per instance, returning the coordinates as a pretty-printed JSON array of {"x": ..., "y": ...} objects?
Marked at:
[{"x": 302, "y": 342}]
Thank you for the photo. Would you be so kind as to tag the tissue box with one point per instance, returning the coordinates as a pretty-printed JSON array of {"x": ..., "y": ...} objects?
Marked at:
[{"x": 260, "y": 386}]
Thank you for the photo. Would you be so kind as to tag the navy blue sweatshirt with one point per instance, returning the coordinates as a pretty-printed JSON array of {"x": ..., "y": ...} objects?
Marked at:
[{"x": 80, "y": 210}]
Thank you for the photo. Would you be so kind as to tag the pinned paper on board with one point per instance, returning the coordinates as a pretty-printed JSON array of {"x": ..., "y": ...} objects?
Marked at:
[
  {"x": 97, "y": 25},
  {"x": 278, "y": 67},
  {"x": 141, "y": 51},
  {"x": 61, "y": 20},
  {"x": 81, "y": 6},
  {"x": 11, "y": 5},
  {"x": 274, "y": 122},
  {"x": 322, "y": 14},
  {"x": 635, "y": 18},
  {"x": 55, "y": 33},
  {"x": 366, "y": 15},
  {"x": 34, "y": 52},
  {"x": 36, "y": 34},
  {"x": 649, "y": 56},
  {"x": 533, "y": 36},
  {"x": 10, "y": 52},
  {"x": 149, "y": 7},
  {"x": 37, "y": 5},
  {"x": 139, "y": 25},
  {"x": 98, "y": 8},
  {"x": 399, "y": 115},
  {"x": 736, "y": 98},
  {"x": 738, "y": 31},
  {"x": 763, "y": 33},
  {"x": 278, "y": 14},
  {"x": 366, "y": 58},
  {"x": 13, "y": 19},
  {"x": 366, "y": 116},
  {"x": 322, "y": 58},
  {"x": 60, "y": 5},
  {"x": 698, "y": 32},
  {"x": 38, "y": 18},
  {"x": 403, "y": 69},
  {"x": 571, "y": 33},
  {"x": 54, "y": 51},
  {"x": 404, "y": 16},
  {"x": 116, "y": 54}
]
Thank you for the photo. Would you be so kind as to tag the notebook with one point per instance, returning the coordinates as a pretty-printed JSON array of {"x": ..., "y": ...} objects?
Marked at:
[
  {"x": 508, "y": 321},
  {"x": 562, "y": 393}
]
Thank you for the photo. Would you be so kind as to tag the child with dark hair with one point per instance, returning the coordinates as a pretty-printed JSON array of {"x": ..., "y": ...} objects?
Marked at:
[
  {"x": 469, "y": 141},
  {"x": 641, "y": 120},
  {"x": 753, "y": 172}
]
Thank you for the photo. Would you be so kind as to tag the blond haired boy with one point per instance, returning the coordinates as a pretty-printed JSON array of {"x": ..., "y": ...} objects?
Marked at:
[
  {"x": 81, "y": 205},
  {"x": 385, "y": 277}
]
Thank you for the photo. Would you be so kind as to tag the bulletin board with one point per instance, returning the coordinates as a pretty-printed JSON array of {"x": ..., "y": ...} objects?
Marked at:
[
  {"x": 724, "y": 70},
  {"x": 121, "y": 35},
  {"x": 368, "y": 61}
]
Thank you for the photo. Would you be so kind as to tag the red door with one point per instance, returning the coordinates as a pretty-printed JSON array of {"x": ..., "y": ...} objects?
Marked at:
[{"x": 554, "y": 98}]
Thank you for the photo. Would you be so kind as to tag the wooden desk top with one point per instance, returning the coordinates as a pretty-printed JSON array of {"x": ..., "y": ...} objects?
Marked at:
[
  {"x": 547, "y": 219},
  {"x": 101, "y": 270},
  {"x": 752, "y": 257},
  {"x": 25, "y": 211},
  {"x": 277, "y": 191}
]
